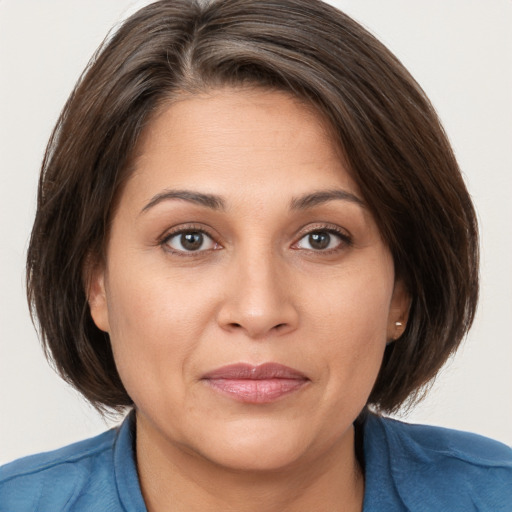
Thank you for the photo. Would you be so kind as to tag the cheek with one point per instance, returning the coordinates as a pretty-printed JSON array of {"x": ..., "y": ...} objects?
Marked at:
[
  {"x": 354, "y": 305},
  {"x": 156, "y": 325},
  {"x": 350, "y": 321},
  {"x": 152, "y": 300}
]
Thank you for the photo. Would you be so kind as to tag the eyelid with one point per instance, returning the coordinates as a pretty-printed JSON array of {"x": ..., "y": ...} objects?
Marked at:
[
  {"x": 344, "y": 235},
  {"x": 186, "y": 228}
]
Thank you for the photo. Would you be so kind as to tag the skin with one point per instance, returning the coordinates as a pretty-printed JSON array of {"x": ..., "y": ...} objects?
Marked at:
[{"x": 255, "y": 291}]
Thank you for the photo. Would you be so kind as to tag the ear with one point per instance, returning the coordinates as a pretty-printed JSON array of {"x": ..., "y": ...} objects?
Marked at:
[
  {"x": 94, "y": 278},
  {"x": 398, "y": 311}
]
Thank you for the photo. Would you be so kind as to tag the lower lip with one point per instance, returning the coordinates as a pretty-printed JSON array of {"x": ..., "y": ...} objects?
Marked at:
[{"x": 256, "y": 391}]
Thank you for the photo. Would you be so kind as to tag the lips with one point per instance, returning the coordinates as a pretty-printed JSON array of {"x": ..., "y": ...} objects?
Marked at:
[{"x": 260, "y": 384}]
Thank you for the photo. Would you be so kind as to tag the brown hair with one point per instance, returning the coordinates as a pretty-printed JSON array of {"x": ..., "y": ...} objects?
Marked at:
[{"x": 388, "y": 131}]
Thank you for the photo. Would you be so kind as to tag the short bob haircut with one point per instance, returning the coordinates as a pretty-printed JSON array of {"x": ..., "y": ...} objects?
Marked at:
[{"x": 387, "y": 130}]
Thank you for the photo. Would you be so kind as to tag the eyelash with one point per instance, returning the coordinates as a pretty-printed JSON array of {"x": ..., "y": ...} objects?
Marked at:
[
  {"x": 345, "y": 240},
  {"x": 164, "y": 242}
]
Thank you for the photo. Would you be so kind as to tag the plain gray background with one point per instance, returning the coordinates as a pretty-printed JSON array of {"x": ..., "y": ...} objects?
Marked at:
[{"x": 460, "y": 51}]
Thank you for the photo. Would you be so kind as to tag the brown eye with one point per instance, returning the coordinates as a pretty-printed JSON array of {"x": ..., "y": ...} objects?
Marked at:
[
  {"x": 190, "y": 241},
  {"x": 322, "y": 240},
  {"x": 319, "y": 240}
]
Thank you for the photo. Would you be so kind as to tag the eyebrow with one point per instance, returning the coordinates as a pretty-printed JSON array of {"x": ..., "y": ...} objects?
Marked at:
[
  {"x": 209, "y": 200},
  {"x": 323, "y": 196},
  {"x": 216, "y": 202}
]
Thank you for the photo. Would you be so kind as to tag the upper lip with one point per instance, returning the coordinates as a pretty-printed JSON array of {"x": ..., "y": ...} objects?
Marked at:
[{"x": 250, "y": 372}]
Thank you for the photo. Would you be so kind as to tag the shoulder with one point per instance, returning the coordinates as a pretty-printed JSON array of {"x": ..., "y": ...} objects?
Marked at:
[
  {"x": 436, "y": 468},
  {"x": 445, "y": 443},
  {"x": 73, "y": 453},
  {"x": 54, "y": 480}
]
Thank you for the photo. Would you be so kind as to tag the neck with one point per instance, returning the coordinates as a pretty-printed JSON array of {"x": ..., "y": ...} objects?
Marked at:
[{"x": 176, "y": 479}]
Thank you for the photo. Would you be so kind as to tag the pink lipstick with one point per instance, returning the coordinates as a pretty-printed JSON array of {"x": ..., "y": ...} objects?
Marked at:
[{"x": 260, "y": 384}]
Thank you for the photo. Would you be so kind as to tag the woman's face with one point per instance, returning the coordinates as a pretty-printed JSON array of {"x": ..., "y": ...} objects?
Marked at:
[{"x": 240, "y": 240}]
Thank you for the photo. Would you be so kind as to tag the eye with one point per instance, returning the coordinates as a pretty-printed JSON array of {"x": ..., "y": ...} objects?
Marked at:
[
  {"x": 322, "y": 240},
  {"x": 190, "y": 241}
]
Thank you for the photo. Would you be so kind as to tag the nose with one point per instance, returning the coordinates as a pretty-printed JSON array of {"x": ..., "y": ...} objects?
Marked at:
[{"x": 259, "y": 299}]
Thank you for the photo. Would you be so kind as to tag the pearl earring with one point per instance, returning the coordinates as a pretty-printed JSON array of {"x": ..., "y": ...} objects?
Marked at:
[{"x": 398, "y": 324}]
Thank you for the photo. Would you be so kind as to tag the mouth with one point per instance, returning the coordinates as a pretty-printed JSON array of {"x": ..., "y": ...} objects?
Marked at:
[{"x": 260, "y": 384}]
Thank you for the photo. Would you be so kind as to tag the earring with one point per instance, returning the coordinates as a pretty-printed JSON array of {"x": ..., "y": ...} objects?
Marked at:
[{"x": 398, "y": 325}]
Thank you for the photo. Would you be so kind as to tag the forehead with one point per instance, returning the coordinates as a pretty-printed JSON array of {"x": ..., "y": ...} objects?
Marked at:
[{"x": 224, "y": 139}]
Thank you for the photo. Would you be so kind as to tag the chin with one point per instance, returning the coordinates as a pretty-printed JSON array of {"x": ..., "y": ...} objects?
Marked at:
[
  {"x": 256, "y": 446},
  {"x": 256, "y": 456}
]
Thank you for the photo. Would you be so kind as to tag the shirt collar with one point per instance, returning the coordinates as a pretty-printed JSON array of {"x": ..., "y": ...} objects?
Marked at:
[{"x": 127, "y": 479}]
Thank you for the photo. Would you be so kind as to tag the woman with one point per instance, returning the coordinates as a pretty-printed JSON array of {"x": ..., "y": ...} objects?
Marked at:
[{"x": 252, "y": 231}]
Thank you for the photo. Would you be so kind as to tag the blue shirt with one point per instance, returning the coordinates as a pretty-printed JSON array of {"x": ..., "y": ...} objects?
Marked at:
[{"x": 407, "y": 468}]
